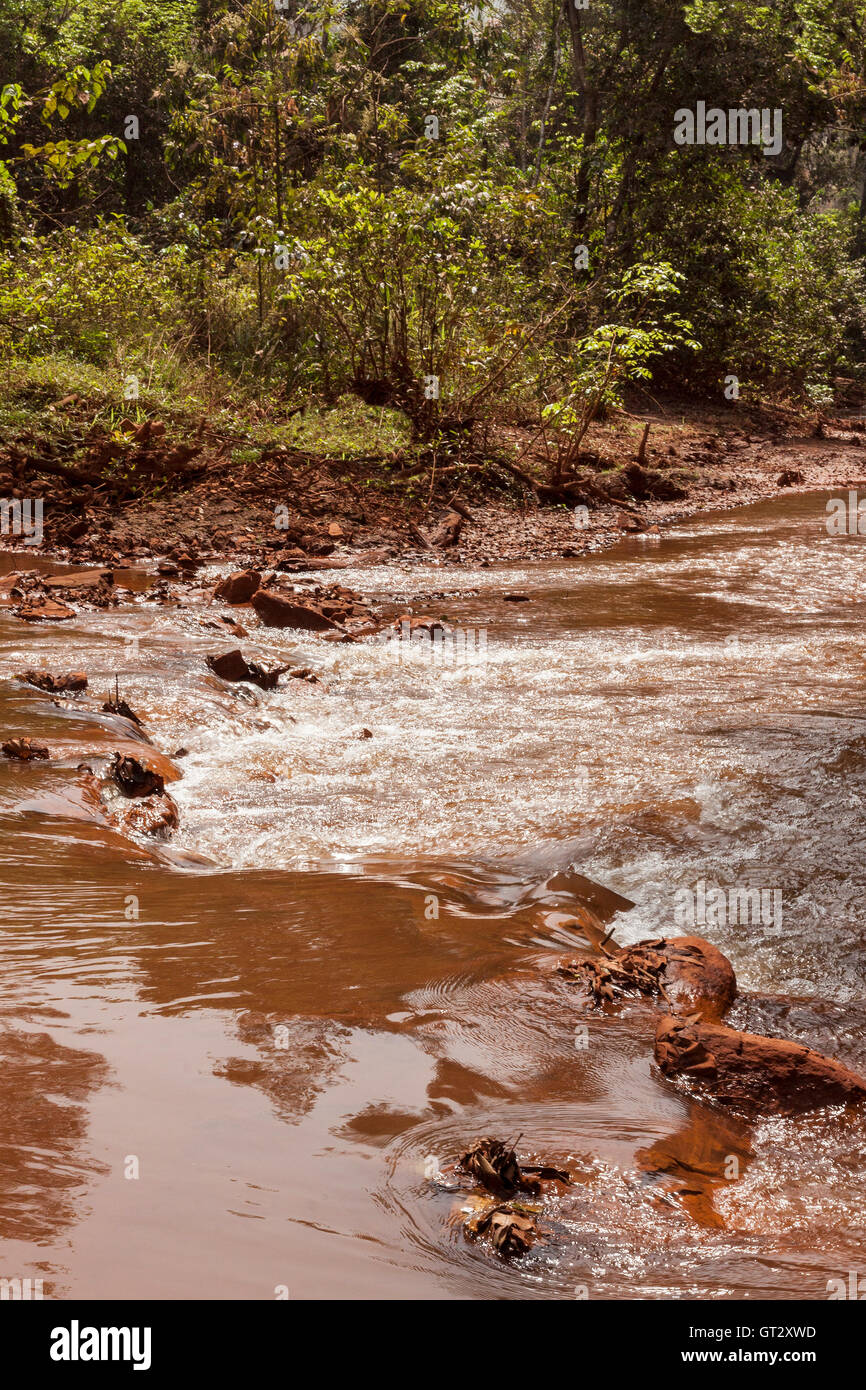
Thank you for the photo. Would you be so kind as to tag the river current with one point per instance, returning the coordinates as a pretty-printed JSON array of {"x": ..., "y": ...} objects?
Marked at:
[{"x": 230, "y": 1065}]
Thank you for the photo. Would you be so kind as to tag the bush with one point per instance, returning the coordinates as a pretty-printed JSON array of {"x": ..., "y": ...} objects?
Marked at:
[{"x": 94, "y": 294}]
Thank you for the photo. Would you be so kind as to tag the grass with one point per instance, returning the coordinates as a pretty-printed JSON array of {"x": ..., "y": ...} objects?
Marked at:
[{"x": 252, "y": 415}]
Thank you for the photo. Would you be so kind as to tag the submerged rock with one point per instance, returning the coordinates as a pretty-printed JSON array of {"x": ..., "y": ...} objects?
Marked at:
[
  {"x": 154, "y": 815},
  {"x": 753, "y": 1073},
  {"x": 153, "y": 811},
  {"x": 134, "y": 779},
  {"x": 55, "y": 685},
  {"x": 25, "y": 750},
  {"x": 420, "y": 627}
]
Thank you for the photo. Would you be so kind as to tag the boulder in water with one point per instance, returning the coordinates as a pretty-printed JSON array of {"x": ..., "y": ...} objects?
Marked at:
[
  {"x": 277, "y": 610},
  {"x": 55, "y": 685},
  {"x": 238, "y": 587},
  {"x": 752, "y": 1073},
  {"x": 687, "y": 972},
  {"x": 233, "y": 666},
  {"x": 134, "y": 779},
  {"x": 25, "y": 750}
]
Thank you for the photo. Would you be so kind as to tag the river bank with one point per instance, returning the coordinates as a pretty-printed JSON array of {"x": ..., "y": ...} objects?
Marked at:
[{"x": 146, "y": 492}]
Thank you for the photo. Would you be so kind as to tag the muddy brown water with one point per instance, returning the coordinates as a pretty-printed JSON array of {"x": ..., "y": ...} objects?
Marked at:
[{"x": 342, "y": 969}]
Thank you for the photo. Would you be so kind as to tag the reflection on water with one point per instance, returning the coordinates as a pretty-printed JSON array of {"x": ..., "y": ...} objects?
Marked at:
[{"x": 344, "y": 965}]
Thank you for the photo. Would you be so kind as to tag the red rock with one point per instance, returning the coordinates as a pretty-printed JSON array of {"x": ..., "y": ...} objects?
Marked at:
[
  {"x": 695, "y": 975},
  {"x": 156, "y": 815},
  {"x": 25, "y": 750},
  {"x": 38, "y": 608},
  {"x": 72, "y": 531},
  {"x": 43, "y": 680},
  {"x": 752, "y": 1073},
  {"x": 78, "y": 579},
  {"x": 421, "y": 625},
  {"x": 238, "y": 587},
  {"x": 233, "y": 666},
  {"x": 135, "y": 778},
  {"x": 277, "y": 610},
  {"x": 120, "y": 707},
  {"x": 335, "y": 529},
  {"x": 229, "y": 666},
  {"x": 688, "y": 973},
  {"x": 449, "y": 531},
  {"x": 337, "y": 562},
  {"x": 150, "y": 429}
]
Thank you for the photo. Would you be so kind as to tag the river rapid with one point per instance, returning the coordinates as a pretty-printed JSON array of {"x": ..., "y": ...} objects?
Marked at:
[{"x": 231, "y": 1065}]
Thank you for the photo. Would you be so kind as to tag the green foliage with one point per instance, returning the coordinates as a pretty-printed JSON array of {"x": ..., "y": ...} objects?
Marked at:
[
  {"x": 618, "y": 352},
  {"x": 774, "y": 287},
  {"x": 285, "y": 223},
  {"x": 416, "y": 282},
  {"x": 61, "y": 160},
  {"x": 94, "y": 294}
]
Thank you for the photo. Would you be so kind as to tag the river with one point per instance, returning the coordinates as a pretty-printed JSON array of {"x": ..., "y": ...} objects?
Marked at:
[{"x": 230, "y": 1065}]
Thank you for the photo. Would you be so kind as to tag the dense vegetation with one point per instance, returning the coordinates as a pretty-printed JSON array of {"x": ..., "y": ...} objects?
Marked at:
[{"x": 469, "y": 216}]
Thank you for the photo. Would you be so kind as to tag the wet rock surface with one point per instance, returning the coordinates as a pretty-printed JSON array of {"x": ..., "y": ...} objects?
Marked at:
[
  {"x": 150, "y": 810},
  {"x": 134, "y": 778},
  {"x": 25, "y": 750},
  {"x": 697, "y": 985},
  {"x": 694, "y": 974},
  {"x": 281, "y": 610},
  {"x": 686, "y": 972},
  {"x": 38, "y": 608},
  {"x": 156, "y": 816},
  {"x": 55, "y": 685},
  {"x": 232, "y": 666},
  {"x": 238, "y": 587},
  {"x": 752, "y": 1073}
]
